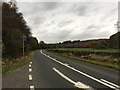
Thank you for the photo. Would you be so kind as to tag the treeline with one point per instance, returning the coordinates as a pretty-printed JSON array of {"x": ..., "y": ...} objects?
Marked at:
[
  {"x": 13, "y": 28},
  {"x": 112, "y": 42}
]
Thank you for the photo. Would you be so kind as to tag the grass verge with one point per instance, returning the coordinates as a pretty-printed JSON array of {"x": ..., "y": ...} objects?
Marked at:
[
  {"x": 11, "y": 65},
  {"x": 88, "y": 50},
  {"x": 115, "y": 66}
]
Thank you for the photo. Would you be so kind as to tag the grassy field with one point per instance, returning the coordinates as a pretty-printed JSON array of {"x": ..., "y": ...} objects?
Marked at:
[
  {"x": 88, "y": 50},
  {"x": 11, "y": 65},
  {"x": 107, "y": 60}
]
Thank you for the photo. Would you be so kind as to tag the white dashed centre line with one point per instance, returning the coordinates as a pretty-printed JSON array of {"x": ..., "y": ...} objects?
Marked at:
[
  {"x": 30, "y": 62},
  {"x": 30, "y": 77},
  {"x": 30, "y": 70},
  {"x": 29, "y": 65},
  {"x": 32, "y": 87}
]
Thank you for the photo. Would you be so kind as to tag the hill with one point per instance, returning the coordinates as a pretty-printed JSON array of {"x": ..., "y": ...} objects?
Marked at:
[{"x": 112, "y": 42}]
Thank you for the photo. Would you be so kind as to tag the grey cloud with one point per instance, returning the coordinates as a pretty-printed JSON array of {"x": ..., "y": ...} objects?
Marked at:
[
  {"x": 63, "y": 34},
  {"x": 87, "y": 35},
  {"x": 82, "y": 10},
  {"x": 37, "y": 21},
  {"x": 35, "y": 12},
  {"x": 52, "y": 21},
  {"x": 114, "y": 10},
  {"x": 58, "y": 36},
  {"x": 96, "y": 28},
  {"x": 29, "y": 8},
  {"x": 49, "y": 37},
  {"x": 82, "y": 36},
  {"x": 109, "y": 14},
  {"x": 46, "y": 25},
  {"x": 44, "y": 6},
  {"x": 50, "y": 5},
  {"x": 91, "y": 26},
  {"x": 86, "y": 8},
  {"x": 36, "y": 7},
  {"x": 64, "y": 23}
]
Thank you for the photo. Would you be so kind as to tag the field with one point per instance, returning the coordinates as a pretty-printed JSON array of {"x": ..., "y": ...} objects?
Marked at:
[{"x": 104, "y": 57}]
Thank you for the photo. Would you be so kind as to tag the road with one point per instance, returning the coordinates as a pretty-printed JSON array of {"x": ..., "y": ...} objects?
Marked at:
[
  {"x": 48, "y": 67},
  {"x": 48, "y": 70},
  {"x": 16, "y": 79}
]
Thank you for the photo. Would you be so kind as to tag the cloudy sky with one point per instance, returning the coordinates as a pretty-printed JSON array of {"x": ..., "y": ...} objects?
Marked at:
[{"x": 59, "y": 21}]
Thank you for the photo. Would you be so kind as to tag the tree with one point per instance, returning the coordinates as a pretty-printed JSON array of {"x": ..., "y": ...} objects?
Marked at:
[
  {"x": 115, "y": 40},
  {"x": 13, "y": 28},
  {"x": 42, "y": 45},
  {"x": 32, "y": 44}
]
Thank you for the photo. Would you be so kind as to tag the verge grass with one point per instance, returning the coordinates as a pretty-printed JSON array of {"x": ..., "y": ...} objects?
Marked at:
[
  {"x": 88, "y": 50},
  {"x": 11, "y": 65},
  {"x": 102, "y": 60}
]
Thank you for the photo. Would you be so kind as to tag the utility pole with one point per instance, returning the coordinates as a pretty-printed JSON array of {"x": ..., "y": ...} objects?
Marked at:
[
  {"x": 118, "y": 23},
  {"x": 24, "y": 39}
]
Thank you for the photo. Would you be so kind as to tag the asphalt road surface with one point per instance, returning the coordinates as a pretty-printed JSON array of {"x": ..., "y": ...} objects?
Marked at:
[{"x": 48, "y": 70}]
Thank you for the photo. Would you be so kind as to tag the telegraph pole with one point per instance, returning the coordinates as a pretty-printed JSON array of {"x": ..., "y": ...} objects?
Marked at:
[
  {"x": 24, "y": 39},
  {"x": 118, "y": 23}
]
